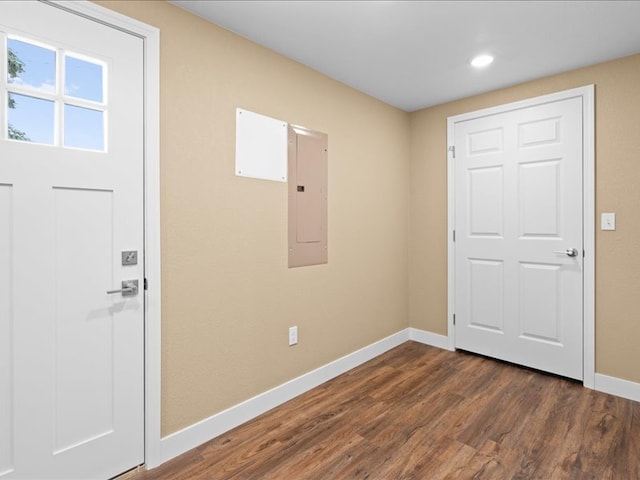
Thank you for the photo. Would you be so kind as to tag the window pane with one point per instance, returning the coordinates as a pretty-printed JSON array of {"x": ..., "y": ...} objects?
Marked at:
[
  {"x": 83, "y": 79},
  {"x": 31, "y": 66},
  {"x": 83, "y": 128},
  {"x": 30, "y": 119}
]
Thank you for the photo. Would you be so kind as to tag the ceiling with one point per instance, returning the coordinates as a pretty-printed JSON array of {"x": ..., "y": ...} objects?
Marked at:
[{"x": 415, "y": 54}]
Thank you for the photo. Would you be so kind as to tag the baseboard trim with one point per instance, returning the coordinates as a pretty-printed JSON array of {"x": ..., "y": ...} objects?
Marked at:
[
  {"x": 429, "y": 338},
  {"x": 617, "y": 386},
  {"x": 184, "y": 440}
]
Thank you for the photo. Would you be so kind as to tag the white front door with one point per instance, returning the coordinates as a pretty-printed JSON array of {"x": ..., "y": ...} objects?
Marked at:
[
  {"x": 71, "y": 201},
  {"x": 518, "y": 236}
]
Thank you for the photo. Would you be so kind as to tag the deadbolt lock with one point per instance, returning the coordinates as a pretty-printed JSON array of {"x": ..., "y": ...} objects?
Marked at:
[{"x": 130, "y": 257}]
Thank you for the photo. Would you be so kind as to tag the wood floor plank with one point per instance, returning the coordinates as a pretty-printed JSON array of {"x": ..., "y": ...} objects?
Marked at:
[{"x": 418, "y": 412}]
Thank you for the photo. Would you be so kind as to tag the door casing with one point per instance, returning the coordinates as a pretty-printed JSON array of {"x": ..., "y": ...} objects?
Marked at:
[
  {"x": 152, "y": 295},
  {"x": 586, "y": 93}
]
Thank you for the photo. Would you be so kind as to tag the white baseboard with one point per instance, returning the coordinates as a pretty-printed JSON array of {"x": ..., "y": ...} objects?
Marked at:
[
  {"x": 617, "y": 386},
  {"x": 428, "y": 338},
  {"x": 184, "y": 440}
]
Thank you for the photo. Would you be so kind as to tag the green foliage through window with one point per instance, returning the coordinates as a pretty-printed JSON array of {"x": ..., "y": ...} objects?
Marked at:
[{"x": 15, "y": 68}]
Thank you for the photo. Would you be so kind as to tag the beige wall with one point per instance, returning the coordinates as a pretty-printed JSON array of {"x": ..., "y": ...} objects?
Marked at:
[
  {"x": 617, "y": 190},
  {"x": 228, "y": 296}
]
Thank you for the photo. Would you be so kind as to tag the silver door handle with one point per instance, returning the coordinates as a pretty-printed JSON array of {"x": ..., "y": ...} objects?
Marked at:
[
  {"x": 129, "y": 288},
  {"x": 569, "y": 252}
]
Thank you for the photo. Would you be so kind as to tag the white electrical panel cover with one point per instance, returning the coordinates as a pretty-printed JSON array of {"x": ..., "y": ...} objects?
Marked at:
[{"x": 261, "y": 146}]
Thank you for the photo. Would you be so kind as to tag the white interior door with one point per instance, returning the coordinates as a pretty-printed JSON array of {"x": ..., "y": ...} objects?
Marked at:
[
  {"x": 518, "y": 236},
  {"x": 71, "y": 201}
]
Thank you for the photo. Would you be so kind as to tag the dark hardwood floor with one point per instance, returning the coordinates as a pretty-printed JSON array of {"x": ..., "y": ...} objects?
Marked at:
[{"x": 418, "y": 412}]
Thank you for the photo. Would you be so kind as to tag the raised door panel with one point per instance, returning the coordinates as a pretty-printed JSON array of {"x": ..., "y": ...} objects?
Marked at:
[
  {"x": 539, "y": 199},
  {"x": 485, "y": 204},
  {"x": 486, "y": 294},
  {"x": 485, "y": 141},
  {"x": 84, "y": 373},
  {"x": 536, "y": 133},
  {"x": 540, "y": 302}
]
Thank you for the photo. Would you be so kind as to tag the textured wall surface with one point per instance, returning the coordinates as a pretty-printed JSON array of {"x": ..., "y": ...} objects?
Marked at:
[{"x": 228, "y": 297}]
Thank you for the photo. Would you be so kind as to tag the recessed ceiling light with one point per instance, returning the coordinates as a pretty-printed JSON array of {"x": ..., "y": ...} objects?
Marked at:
[{"x": 481, "y": 61}]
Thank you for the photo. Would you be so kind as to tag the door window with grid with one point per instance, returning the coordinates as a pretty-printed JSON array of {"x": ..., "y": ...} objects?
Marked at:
[{"x": 54, "y": 97}]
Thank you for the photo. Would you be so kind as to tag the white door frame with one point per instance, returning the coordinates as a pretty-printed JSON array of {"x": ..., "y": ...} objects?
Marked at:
[
  {"x": 152, "y": 304},
  {"x": 588, "y": 213}
]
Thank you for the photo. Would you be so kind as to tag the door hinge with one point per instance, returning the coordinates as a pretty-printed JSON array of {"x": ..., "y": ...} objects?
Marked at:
[
  {"x": 454, "y": 235},
  {"x": 145, "y": 284},
  {"x": 454, "y": 318},
  {"x": 452, "y": 149}
]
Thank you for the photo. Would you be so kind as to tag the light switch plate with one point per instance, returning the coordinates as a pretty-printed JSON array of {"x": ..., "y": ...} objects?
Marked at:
[
  {"x": 293, "y": 335},
  {"x": 608, "y": 221}
]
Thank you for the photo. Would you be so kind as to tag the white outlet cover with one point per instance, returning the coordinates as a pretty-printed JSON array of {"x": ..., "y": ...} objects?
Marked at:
[{"x": 608, "y": 221}]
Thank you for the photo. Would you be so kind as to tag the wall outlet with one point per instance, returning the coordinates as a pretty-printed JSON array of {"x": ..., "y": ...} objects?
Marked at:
[
  {"x": 608, "y": 221},
  {"x": 293, "y": 335}
]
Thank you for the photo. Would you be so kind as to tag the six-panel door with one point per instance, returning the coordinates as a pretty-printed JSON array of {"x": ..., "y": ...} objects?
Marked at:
[{"x": 518, "y": 217}]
